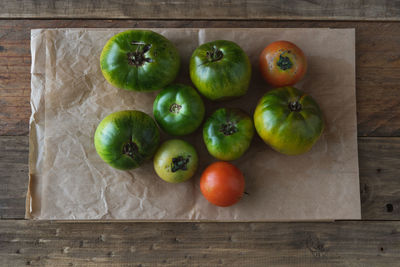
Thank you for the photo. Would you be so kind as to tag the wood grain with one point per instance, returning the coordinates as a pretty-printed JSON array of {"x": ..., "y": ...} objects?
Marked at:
[
  {"x": 13, "y": 176},
  {"x": 206, "y": 9},
  {"x": 378, "y": 61},
  {"x": 199, "y": 244},
  {"x": 379, "y": 161}
]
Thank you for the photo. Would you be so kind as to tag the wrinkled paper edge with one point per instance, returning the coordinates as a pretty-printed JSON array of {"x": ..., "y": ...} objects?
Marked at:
[{"x": 37, "y": 49}]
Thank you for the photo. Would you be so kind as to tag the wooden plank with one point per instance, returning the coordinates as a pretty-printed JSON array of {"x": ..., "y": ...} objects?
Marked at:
[
  {"x": 206, "y": 9},
  {"x": 379, "y": 161},
  {"x": 13, "y": 176},
  {"x": 378, "y": 105},
  {"x": 49, "y": 243}
]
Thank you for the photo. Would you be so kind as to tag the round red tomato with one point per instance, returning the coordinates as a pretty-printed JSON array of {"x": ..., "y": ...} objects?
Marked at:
[
  {"x": 282, "y": 63},
  {"x": 222, "y": 184}
]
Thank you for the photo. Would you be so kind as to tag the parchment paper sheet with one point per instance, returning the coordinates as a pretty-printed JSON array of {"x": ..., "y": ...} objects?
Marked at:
[{"x": 68, "y": 180}]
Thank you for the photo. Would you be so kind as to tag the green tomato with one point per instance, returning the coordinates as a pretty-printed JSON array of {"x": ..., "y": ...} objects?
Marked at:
[
  {"x": 178, "y": 109},
  {"x": 220, "y": 70},
  {"x": 288, "y": 120},
  {"x": 125, "y": 139},
  {"x": 228, "y": 133},
  {"x": 139, "y": 60},
  {"x": 175, "y": 161}
]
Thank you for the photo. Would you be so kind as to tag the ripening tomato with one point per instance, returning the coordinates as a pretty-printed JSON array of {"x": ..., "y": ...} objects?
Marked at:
[
  {"x": 282, "y": 63},
  {"x": 222, "y": 184},
  {"x": 288, "y": 120},
  {"x": 175, "y": 161}
]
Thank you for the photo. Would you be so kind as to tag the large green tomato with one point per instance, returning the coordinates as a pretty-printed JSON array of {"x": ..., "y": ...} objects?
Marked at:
[
  {"x": 175, "y": 161},
  {"x": 139, "y": 60},
  {"x": 178, "y": 109},
  {"x": 288, "y": 120},
  {"x": 125, "y": 139},
  {"x": 228, "y": 133},
  {"x": 220, "y": 70}
]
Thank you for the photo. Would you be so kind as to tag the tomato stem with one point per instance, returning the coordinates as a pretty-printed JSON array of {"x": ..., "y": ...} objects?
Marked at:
[
  {"x": 130, "y": 149},
  {"x": 179, "y": 163},
  {"x": 228, "y": 128},
  {"x": 284, "y": 62},
  {"x": 215, "y": 54},
  {"x": 295, "y": 106},
  {"x": 138, "y": 58},
  {"x": 175, "y": 108}
]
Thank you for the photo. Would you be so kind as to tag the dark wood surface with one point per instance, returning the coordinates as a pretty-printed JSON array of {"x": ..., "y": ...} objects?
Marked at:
[
  {"x": 205, "y": 9},
  {"x": 348, "y": 243},
  {"x": 199, "y": 244}
]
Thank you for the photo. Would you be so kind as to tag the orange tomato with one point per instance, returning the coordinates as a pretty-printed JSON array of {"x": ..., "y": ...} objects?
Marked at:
[
  {"x": 282, "y": 63},
  {"x": 222, "y": 184}
]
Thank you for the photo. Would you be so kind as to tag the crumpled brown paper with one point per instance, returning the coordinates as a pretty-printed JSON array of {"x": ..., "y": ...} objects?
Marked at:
[{"x": 68, "y": 180}]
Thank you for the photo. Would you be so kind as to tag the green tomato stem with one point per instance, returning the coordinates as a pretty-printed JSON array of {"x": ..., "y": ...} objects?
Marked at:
[
  {"x": 229, "y": 128},
  {"x": 215, "y": 54},
  {"x": 295, "y": 106},
  {"x": 284, "y": 63},
  {"x": 175, "y": 108},
  {"x": 179, "y": 163},
  {"x": 138, "y": 57},
  {"x": 130, "y": 149}
]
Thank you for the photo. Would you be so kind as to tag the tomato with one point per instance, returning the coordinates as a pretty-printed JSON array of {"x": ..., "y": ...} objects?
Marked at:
[
  {"x": 175, "y": 161},
  {"x": 222, "y": 184},
  {"x": 139, "y": 60},
  {"x": 289, "y": 120},
  {"x": 125, "y": 139},
  {"x": 227, "y": 133},
  {"x": 178, "y": 109},
  {"x": 220, "y": 70},
  {"x": 282, "y": 63}
]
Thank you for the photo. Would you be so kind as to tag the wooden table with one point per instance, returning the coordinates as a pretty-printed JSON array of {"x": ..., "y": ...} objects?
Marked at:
[{"x": 374, "y": 241}]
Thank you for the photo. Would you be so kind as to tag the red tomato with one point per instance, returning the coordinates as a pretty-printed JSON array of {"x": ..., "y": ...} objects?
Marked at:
[
  {"x": 222, "y": 184},
  {"x": 282, "y": 63}
]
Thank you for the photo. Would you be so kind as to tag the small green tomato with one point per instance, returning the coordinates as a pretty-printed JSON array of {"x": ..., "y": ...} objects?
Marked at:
[{"x": 175, "y": 161}]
